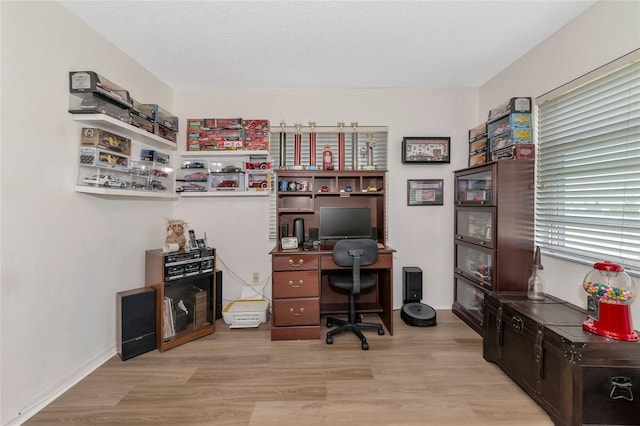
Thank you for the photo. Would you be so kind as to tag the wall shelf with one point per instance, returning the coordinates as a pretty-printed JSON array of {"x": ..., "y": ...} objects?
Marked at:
[
  {"x": 118, "y": 127},
  {"x": 124, "y": 192}
]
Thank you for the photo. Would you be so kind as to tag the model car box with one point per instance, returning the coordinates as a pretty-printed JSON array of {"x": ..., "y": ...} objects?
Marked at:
[
  {"x": 232, "y": 182},
  {"x": 92, "y": 156},
  {"x": 160, "y": 116},
  {"x": 221, "y": 145},
  {"x": 519, "y": 104},
  {"x": 92, "y": 176},
  {"x": 222, "y": 135},
  {"x": 478, "y": 145},
  {"x": 478, "y": 158},
  {"x": 195, "y": 123},
  {"x": 194, "y": 146},
  {"x": 478, "y": 132},
  {"x": 191, "y": 187},
  {"x": 521, "y": 151},
  {"x": 512, "y": 121},
  {"x": 223, "y": 124},
  {"x": 257, "y": 126},
  {"x": 509, "y": 138},
  {"x": 93, "y": 103},
  {"x": 258, "y": 181},
  {"x": 153, "y": 155},
  {"x": 89, "y": 81},
  {"x": 141, "y": 121},
  {"x": 106, "y": 140},
  {"x": 165, "y": 133}
]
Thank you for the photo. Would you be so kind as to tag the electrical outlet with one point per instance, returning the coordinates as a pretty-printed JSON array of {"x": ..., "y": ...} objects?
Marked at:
[{"x": 255, "y": 278}]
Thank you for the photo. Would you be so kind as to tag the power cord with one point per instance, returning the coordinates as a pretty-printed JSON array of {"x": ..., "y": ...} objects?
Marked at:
[{"x": 257, "y": 289}]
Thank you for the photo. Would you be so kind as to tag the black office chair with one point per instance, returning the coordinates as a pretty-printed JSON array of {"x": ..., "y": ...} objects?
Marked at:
[{"x": 354, "y": 253}]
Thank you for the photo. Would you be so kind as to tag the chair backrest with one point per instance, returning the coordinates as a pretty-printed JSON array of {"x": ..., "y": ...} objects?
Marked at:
[
  {"x": 344, "y": 252},
  {"x": 355, "y": 253}
]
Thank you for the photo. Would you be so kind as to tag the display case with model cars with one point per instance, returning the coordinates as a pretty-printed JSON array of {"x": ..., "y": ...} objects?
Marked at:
[
  {"x": 92, "y": 93},
  {"x": 229, "y": 173},
  {"x": 91, "y": 156},
  {"x": 510, "y": 124},
  {"x": 165, "y": 123},
  {"x": 140, "y": 119}
]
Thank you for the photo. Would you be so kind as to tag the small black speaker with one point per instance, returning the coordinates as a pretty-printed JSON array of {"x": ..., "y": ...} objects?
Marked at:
[
  {"x": 313, "y": 234},
  {"x": 298, "y": 229},
  {"x": 374, "y": 234},
  {"x": 218, "y": 294},
  {"x": 284, "y": 230},
  {"x": 411, "y": 284},
  {"x": 136, "y": 318}
]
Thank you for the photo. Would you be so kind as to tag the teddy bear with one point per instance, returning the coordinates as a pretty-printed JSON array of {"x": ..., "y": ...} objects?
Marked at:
[{"x": 176, "y": 228}]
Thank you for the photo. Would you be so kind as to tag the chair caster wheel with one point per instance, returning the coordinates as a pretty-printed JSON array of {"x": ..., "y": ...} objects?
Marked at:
[
  {"x": 365, "y": 346},
  {"x": 329, "y": 340},
  {"x": 380, "y": 332}
]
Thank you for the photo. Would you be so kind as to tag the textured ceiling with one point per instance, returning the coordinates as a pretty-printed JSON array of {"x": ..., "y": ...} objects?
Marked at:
[{"x": 326, "y": 44}]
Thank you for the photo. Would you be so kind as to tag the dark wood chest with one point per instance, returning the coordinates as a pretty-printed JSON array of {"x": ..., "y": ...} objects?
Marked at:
[{"x": 578, "y": 377}]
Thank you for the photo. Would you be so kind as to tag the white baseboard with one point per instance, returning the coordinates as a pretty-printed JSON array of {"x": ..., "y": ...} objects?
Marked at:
[{"x": 53, "y": 392}]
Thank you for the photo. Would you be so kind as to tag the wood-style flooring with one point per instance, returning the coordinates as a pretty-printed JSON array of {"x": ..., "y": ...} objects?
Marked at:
[{"x": 419, "y": 376}]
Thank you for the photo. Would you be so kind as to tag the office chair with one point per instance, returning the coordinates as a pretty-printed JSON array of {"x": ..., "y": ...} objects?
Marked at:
[{"x": 353, "y": 253}]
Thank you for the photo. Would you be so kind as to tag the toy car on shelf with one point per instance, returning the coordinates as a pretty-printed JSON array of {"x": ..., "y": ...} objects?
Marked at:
[
  {"x": 156, "y": 185},
  {"x": 158, "y": 172},
  {"x": 194, "y": 165},
  {"x": 258, "y": 184},
  {"x": 104, "y": 180},
  {"x": 139, "y": 185},
  {"x": 228, "y": 183},
  {"x": 191, "y": 187},
  {"x": 231, "y": 169},
  {"x": 199, "y": 176},
  {"x": 258, "y": 166}
]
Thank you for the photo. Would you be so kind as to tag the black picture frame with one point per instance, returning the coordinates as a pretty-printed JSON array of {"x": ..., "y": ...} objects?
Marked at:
[
  {"x": 425, "y": 192},
  {"x": 426, "y": 149}
]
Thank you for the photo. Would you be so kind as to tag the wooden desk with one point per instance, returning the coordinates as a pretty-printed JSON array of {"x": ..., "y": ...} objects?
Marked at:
[{"x": 301, "y": 292}]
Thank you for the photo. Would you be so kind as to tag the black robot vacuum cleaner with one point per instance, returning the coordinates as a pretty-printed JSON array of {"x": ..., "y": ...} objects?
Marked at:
[{"x": 418, "y": 315}]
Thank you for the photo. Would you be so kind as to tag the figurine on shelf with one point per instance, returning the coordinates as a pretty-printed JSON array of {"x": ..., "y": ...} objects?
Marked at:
[
  {"x": 327, "y": 158},
  {"x": 176, "y": 240}
]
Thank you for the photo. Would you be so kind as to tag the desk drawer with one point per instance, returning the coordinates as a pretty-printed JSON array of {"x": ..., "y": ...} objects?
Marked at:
[
  {"x": 384, "y": 262},
  {"x": 287, "y": 312},
  {"x": 295, "y": 284},
  {"x": 295, "y": 262}
]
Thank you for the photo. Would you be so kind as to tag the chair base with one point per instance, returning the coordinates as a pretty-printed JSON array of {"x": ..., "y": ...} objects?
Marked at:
[{"x": 354, "y": 327}]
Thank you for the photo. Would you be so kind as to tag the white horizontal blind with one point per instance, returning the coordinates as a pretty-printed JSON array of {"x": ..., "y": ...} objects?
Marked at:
[
  {"x": 327, "y": 136},
  {"x": 588, "y": 174}
]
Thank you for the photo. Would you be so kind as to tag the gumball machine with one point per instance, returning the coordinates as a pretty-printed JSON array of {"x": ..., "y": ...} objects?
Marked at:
[{"x": 610, "y": 293}]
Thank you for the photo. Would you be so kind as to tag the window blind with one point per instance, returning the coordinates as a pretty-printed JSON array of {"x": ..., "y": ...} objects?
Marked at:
[{"x": 588, "y": 167}]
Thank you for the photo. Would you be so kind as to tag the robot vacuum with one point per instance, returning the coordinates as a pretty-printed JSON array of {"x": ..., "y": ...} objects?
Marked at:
[{"x": 418, "y": 314}]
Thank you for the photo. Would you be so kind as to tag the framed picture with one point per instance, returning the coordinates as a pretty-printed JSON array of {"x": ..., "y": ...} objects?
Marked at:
[
  {"x": 420, "y": 150},
  {"x": 424, "y": 192}
]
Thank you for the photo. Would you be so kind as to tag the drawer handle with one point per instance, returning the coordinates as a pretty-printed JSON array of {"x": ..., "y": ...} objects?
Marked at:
[
  {"x": 621, "y": 388},
  {"x": 300, "y": 262},
  {"x": 296, "y": 285},
  {"x": 517, "y": 324},
  {"x": 296, "y": 314}
]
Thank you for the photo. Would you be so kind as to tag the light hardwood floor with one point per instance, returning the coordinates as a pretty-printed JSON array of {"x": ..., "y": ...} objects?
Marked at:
[{"x": 419, "y": 376}]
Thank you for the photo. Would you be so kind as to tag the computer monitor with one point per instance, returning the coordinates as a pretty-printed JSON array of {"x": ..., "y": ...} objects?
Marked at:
[{"x": 337, "y": 223}]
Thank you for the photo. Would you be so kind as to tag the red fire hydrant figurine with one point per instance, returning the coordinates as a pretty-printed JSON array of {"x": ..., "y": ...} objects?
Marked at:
[{"x": 327, "y": 158}]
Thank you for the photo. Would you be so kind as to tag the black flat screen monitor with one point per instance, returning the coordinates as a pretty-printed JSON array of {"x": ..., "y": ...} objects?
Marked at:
[{"x": 337, "y": 223}]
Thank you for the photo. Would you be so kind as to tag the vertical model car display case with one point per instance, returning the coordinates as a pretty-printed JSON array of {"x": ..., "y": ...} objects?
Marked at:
[{"x": 493, "y": 248}]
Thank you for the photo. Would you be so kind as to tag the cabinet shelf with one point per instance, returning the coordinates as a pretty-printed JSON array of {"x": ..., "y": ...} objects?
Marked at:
[
  {"x": 123, "y": 192},
  {"x": 123, "y": 129}
]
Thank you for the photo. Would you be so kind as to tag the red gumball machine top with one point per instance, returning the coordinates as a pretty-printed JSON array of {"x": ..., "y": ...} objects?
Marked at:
[{"x": 609, "y": 283}]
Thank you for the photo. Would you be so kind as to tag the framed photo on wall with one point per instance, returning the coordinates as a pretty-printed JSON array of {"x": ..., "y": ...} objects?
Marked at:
[
  {"x": 420, "y": 150},
  {"x": 425, "y": 192}
]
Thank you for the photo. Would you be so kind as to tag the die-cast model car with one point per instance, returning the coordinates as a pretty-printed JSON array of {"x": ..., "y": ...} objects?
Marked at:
[
  {"x": 104, "y": 180},
  {"x": 199, "y": 176},
  {"x": 191, "y": 187}
]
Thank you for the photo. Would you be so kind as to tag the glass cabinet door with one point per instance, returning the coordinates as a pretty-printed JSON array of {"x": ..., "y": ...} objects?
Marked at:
[
  {"x": 474, "y": 186},
  {"x": 474, "y": 263},
  {"x": 470, "y": 298},
  {"x": 476, "y": 225}
]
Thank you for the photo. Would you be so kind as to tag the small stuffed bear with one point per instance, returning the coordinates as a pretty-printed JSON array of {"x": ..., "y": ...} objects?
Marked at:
[{"x": 175, "y": 233}]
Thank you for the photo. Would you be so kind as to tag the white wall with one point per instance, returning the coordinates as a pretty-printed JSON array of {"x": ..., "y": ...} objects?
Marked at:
[
  {"x": 422, "y": 236},
  {"x": 64, "y": 254},
  {"x": 603, "y": 33}
]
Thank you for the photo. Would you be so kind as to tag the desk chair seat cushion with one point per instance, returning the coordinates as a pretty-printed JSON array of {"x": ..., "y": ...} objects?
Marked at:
[{"x": 344, "y": 281}]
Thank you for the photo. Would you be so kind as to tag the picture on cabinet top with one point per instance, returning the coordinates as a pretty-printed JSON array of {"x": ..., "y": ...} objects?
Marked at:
[{"x": 420, "y": 150}]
